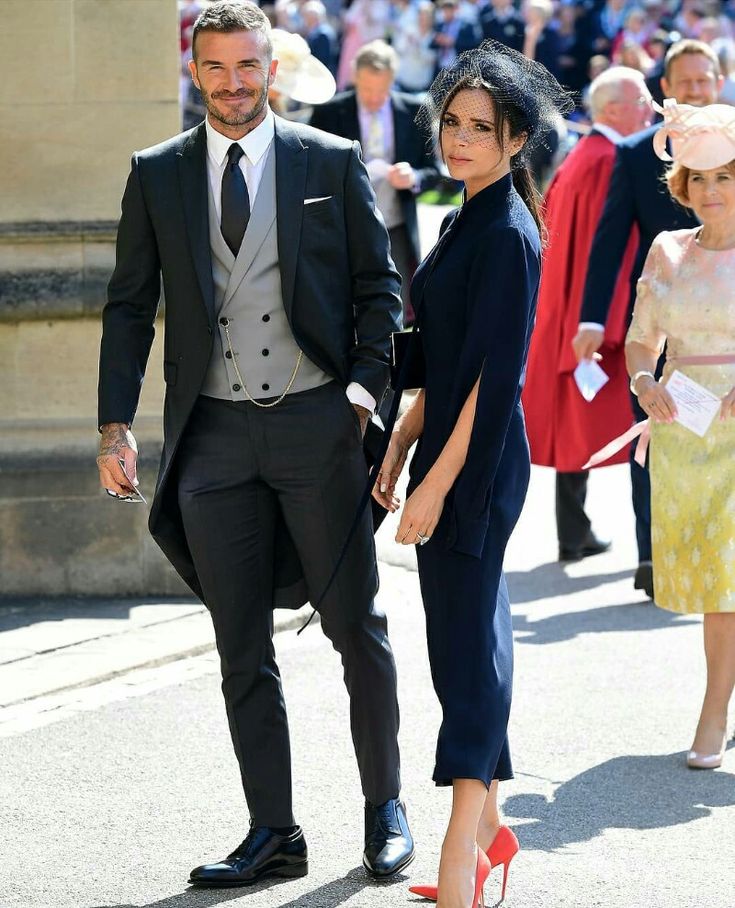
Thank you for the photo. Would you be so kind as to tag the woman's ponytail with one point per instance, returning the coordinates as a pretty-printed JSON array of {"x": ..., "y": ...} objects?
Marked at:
[{"x": 526, "y": 188}]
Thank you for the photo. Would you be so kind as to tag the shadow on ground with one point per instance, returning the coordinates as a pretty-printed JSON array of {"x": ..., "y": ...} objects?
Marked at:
[
  {"x": 551, "y": 579},
  {"x": 17, "y": 613},
  {"x": 636, "y": 792},
  {"x": 330, "y": 895},
  {"x": 606, "y": 618}
]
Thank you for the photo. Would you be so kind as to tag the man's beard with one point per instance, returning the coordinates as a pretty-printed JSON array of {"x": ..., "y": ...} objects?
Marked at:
[{"x": 236, "y": 118}]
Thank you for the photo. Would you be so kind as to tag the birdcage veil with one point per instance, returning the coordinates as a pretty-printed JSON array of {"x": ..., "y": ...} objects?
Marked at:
[{"x": 525, "y": 90}]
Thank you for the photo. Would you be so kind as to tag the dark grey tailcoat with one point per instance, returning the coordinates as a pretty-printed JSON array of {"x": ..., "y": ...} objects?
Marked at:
[{"x": 340, "y": 293}]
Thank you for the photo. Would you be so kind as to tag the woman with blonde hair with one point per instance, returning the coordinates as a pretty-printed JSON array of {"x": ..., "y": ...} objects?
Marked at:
[{"x": 686, "y": 301}]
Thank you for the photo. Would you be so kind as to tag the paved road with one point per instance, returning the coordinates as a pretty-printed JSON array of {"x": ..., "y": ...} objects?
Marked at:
[{"x": 113, "y": 802}]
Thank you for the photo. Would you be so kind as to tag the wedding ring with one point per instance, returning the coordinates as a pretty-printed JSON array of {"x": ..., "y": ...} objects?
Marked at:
[{"x": 422, "y": 539}]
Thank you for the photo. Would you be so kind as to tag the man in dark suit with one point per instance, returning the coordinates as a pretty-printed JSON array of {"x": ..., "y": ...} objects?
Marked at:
[
  {"x": 502, "y": 22},
  {"x": 454, "y": 34},
  {"x": 638, "y": 197},
  {"x": 319, "y": 34},
  {"x": 400, "y": 162},
  {"x": 280, "y": 301}
]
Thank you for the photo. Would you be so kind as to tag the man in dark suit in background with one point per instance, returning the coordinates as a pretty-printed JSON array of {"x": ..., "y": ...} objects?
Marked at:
[
  {"x": 638, "y": 197},
  {"x": 280, "y": 301},
  {"x": 319, "y": 34},
  {"x": 454, "y": 34},
  {"x": 399, "y": 160},
  {"x": 502, "y": 22}
]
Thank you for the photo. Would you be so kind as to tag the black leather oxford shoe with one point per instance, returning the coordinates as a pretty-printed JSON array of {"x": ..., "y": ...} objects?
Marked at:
[
  {"x": 590, "y": 546},
  {"x": 264, "y": 853},
  {"x": 388, "y": 840}
]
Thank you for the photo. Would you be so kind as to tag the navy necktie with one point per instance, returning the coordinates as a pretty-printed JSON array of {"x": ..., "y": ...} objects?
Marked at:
[{"x": 235, "y": 200}]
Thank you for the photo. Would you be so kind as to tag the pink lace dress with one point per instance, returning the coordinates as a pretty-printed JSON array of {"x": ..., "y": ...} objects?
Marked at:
[{"x": 686, "y": 299}]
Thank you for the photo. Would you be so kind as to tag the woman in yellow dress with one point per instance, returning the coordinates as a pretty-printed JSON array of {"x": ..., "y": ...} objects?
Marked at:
[{"x": 686, "y": 300}]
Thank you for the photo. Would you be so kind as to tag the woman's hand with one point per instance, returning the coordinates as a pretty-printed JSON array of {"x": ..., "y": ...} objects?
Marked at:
[
  {"x": 655, "y": 400},
  {"x": 727, "y": 410},
  {"x": 421, "y": 514},
  {"x": 393, "y": 463}
]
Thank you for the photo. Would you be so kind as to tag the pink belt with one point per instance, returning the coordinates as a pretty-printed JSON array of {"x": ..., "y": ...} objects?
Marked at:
[{"x": 642, "y": 430}]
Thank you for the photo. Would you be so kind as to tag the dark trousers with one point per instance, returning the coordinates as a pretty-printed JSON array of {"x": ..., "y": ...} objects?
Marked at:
[
  {"x": 401, "y": 250},
  {"x": 572, "y": 523},
  {"x": 240, "y": 467},
  {"x": 640, "y": 482}
]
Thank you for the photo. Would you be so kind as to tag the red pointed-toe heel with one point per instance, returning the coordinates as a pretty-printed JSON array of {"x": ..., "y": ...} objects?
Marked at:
[
  {"x": 503, "y": 849},
  {"x": 482, "y": 871}
]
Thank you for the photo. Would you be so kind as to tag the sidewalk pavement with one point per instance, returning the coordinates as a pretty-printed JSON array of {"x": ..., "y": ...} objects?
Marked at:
[
  {"x": 130, "y": 782},
  {"x": 52, "y": 650}
]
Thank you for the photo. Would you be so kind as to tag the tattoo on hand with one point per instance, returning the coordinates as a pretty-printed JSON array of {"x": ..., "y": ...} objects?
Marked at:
[{"x": 115, "y": 437}]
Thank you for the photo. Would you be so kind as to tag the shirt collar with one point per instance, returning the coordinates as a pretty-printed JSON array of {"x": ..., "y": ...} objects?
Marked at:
[
  {"x": 612, "y": 134},
  {"x": 254, "y": 144},
  {"x": 382, "y": 111}
]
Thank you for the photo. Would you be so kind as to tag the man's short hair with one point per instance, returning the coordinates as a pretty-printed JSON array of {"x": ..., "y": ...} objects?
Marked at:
[
  {"x": 545, "y": 7},
  {"x": 316, "y": 7},
  {"x": 690, "y": 46},
  {"x": 227, "y": 16},
  {"x": 378, "y": 56},
  {"x": 606, "y": 87}
]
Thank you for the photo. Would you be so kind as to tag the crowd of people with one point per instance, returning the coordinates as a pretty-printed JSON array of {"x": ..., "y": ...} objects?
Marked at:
[
  {"x": 574, "y": 39},
  {"x": 279, "y": 246}
]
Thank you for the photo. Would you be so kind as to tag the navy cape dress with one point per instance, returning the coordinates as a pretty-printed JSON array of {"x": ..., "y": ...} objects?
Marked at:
[{"x": 478, "y": 300}]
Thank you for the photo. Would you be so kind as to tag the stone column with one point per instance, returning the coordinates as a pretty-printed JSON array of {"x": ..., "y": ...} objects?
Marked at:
[{"x": 86, "y": 83}]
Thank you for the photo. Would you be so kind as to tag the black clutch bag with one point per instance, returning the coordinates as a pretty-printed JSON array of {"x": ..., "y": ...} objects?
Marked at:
[{"x": 407, "y": 360}]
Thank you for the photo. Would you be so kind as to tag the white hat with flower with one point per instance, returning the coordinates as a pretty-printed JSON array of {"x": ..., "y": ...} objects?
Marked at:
[{"x": 300, "y": 76}]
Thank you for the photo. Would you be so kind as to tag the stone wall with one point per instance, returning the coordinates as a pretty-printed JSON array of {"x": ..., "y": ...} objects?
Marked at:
[{"x": 87, "y": 82}]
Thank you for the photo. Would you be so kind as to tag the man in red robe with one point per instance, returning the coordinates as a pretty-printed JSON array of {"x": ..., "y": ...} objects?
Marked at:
[{"x": 564, "y": 429}]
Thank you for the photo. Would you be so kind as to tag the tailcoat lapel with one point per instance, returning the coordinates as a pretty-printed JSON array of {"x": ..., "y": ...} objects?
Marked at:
[
  {"x": 291, "y": 167},
  {"x": 193, "y": 182},
  {"x": 402, "y": 124},
  {"x": 351, "y": 122}
]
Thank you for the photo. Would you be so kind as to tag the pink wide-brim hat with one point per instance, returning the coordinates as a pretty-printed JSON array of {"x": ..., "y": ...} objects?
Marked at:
[{"x": 701, "y": 138}]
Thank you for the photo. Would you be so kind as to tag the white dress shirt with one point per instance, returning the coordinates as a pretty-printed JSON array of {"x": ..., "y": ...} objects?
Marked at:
[
  {"x": 255, "y": 145},
  {"x": 377, "y": 138}
]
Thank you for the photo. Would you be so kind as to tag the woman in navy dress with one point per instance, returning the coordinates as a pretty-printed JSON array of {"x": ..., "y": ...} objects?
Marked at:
[{"x": 476, "y": 295}]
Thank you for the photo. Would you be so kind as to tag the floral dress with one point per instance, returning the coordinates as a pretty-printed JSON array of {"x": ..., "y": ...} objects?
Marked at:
[{"x": 686, "y": 300}]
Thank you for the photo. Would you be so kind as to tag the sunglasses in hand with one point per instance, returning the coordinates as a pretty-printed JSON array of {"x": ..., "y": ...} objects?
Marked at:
[{"x": 135, "y": 495}]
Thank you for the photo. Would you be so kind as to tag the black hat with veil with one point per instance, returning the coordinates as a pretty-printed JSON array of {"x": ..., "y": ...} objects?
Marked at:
[{"x": 526, "y": 93}]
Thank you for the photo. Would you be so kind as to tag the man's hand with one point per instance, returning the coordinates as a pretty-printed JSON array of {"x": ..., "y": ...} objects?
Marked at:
[
  {"x": 401, "y": 176},
  {"x": 587, "y": 342},
  {"x": 363, "y": 414},
  {"x": 117, "y": 443},
  {"x": 444, "y": 40}
]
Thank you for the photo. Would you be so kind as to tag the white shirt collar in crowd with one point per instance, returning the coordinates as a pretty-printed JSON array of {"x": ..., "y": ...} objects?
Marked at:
[{"x": 612, "y": 134}]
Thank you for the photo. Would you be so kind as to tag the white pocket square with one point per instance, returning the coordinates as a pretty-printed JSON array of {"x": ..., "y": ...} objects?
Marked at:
[{"x": 322, "y": 198}]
